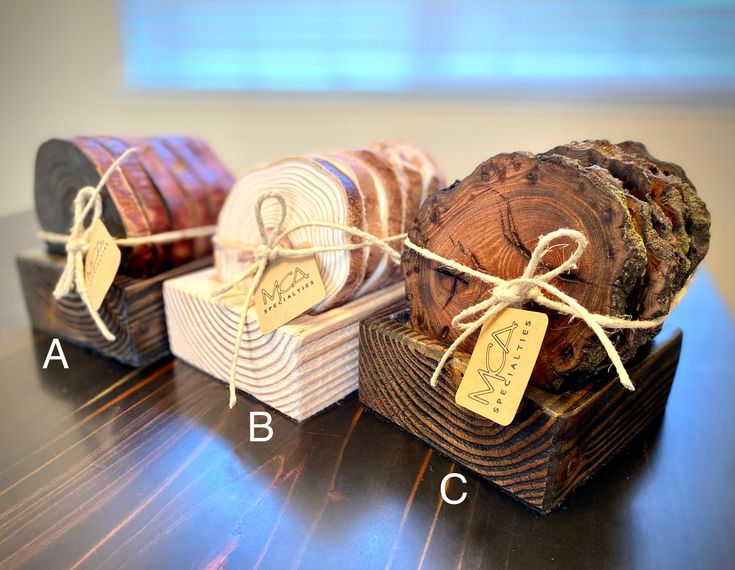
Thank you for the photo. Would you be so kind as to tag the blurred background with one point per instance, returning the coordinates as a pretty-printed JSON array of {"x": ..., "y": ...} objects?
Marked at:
[{"x": 466, "y": 79}]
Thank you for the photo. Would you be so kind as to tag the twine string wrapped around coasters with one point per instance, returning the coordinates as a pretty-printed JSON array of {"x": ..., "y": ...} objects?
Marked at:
[
  {"x": 89, "y": 200},
  {"x": 531, "y": 286},
  {"x": 269, "y": 250}
]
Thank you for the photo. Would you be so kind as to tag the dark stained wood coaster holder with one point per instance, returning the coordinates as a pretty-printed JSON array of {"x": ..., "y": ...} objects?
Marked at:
[
  {"x": 132, "y": 310},
  {"x": 555, "y": 442}
]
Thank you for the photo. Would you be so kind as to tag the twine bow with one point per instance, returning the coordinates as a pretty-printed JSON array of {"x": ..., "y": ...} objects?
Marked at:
[
  {"x": 269, "y": 250},
  {"x": 531, "y": 286}
]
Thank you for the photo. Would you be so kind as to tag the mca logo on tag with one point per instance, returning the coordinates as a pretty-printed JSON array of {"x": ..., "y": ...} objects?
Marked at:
[
  {"x": 289, "y": 287},
  {"x": 501, "y": 364},
  {"x": 496, "y": 357}
]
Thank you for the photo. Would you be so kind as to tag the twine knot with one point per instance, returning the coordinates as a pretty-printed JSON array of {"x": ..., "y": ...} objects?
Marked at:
[
  {"x": 266, "y": 253},
  {"x": 514, "y": 291}
]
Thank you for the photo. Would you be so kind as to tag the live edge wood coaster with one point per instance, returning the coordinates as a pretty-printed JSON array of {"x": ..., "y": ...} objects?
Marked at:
[
  {"x": 555, "y": 442},
  {"x": 646, "y": 227},
  {"x": 132, "y": 310}
]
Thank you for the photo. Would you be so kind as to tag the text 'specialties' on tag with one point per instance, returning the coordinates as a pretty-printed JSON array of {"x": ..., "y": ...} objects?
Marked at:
[
  {"x": 100, "y": 264},
  {"x": 501, "y": 364},
  {"x": 289, "y": 287}
]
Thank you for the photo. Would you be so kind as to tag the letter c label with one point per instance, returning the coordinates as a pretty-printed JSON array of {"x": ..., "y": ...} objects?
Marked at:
[{"x": 443, "y": 488}]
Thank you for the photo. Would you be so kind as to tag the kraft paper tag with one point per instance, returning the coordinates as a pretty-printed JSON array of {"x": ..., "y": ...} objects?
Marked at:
[
  {"x": 100, "y": 264},
  {"x": 501, "y": 364},
  {"x": 289, "y": 287}
]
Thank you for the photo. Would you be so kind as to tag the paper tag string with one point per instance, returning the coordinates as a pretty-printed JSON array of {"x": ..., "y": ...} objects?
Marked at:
[
  {"x": 269, "y": 250},
  {"x": 531, "y": 286},
  {"x": 89, "y": 200}
]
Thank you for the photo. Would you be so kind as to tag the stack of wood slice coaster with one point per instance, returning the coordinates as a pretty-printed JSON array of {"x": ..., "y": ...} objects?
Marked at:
[
  {"x": 170, "y": 183},
  {"x": 377, "y": 190},
  {"x": 647, "y": 232},
  {"x": 647, "y": 229},
  {"x": 311, "y": 362}
]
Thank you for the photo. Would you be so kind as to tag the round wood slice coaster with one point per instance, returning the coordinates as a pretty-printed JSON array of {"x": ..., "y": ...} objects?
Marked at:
[
  {"x": 314, "y": 190},
  {"x": 667, "y": 208},
  {"x": 377, "y": 262},
  {"x": 431, "y": 175},
  {"x": 222, "y": 180},
  {"x": 667, "y": 265},
  {"x": 391, "y": 200},
  {"x": 697, "y": 216},
  {"x": 492, "y": 221},
  {"x": 154, "y": 208},
  {"x": 63, "y": 167},
  {"x": 141, "y": 260},
  {"x": 409, "y": 180},
  {"x": 652, "y": 296},
  {"x": 200, "y": 178},
  {"x": 192, "y": 188},
  {"x": 179, "y": 205}
]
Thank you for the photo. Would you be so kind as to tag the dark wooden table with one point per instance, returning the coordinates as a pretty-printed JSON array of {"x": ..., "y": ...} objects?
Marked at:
[{"x": 105, "y": 466}]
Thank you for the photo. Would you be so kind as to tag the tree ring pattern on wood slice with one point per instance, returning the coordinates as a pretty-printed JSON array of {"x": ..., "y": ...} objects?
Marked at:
[
  {"x": 372, "y": 190},
  {"x": 312, "y": 192},
  {"x": 492, "y": 220}
]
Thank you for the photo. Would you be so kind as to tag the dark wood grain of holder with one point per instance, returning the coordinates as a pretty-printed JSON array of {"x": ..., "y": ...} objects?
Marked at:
[
  {"x": 132, "y": 310},
  {"x": 555, "y": 442}
]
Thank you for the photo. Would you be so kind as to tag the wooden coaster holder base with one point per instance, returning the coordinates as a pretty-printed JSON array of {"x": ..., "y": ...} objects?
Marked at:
[
  {"x": 555, "y": 442},
  {"x": 299, "y": 369},
  {"x": 132, "y": 310}
]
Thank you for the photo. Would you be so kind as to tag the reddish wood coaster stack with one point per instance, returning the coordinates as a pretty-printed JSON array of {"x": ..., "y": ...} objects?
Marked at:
[
  {"x": 647, "y": 231},
  {"x": 169, "y": 183}
]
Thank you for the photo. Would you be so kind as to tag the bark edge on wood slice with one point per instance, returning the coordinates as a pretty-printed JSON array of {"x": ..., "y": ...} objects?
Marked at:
[
  {"x": 698, "y": 218},
  {"x": 299, "y": 369},
  {"x": 132, "y": 310},
  {"x": 492, "y": 220},
  {"x": 552, "y": 446}
]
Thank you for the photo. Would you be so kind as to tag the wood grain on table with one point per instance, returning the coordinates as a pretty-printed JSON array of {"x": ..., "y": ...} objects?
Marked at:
[{"x": 107, "y": 466}]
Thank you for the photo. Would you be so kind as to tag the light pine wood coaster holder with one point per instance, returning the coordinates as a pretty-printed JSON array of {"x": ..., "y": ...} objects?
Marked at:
[
  {"x": 299, "y": 369},
  {"x": 132, "y": 310},
  {"x": 555, "y": 442}
]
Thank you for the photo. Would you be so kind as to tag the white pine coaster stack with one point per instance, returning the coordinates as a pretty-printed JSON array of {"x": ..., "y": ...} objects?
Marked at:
[{"x": 299, "y": 369}]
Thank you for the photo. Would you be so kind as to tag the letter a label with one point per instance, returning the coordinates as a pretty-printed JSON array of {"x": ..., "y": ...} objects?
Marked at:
[{"x": 55, "y": 352}]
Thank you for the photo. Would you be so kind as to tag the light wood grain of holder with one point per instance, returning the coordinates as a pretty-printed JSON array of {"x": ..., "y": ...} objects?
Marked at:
[
  {"x": 132, "y": 310},
  {"x": 299, "y": 369},
  {"x": 555, "y": 442}
]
